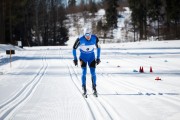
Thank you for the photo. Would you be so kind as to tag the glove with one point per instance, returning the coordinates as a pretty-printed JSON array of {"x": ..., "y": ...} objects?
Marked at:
[
  {"x": 75, "y": 62},
  {"x": 98, "y": 61}
]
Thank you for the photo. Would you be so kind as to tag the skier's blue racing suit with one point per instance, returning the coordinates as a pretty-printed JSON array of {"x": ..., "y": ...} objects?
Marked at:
[{"x": 87, "y": 55}]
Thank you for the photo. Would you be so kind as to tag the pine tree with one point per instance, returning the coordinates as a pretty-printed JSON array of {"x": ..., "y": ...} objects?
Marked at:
[
  {"x": 154, "y": 12},
  {"x": 2, "y": 21},
  {"x": 62, "y": 36},
  {"x": 139, "y": 16},
  {"x": 173, "y": 18},
  {"x": 111, "y": 13}
]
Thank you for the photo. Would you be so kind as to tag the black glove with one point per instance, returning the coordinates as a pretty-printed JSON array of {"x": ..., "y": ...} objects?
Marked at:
[
  {"x": 98, "y": 61},
  {"x": 75, "y": 62}
]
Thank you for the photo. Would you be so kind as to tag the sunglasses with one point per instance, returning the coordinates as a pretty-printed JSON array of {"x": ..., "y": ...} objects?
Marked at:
[{"x": 87, "y": 34}]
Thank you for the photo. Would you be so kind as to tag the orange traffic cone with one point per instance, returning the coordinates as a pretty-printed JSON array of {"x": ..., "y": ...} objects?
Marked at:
[
  {"x": 151, "y": 69},
  {"x": 142, "y": 70},
  {"x": 157, "y": 78}
]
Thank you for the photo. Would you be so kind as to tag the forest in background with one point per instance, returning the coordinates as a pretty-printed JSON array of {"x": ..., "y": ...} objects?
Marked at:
[
  {"x": 42, "y": 22},
  {"x": 159, "y": 18}
]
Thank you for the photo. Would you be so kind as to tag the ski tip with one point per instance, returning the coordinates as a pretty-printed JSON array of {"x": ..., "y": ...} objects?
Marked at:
[
  {"x": 95, "y": 95},
  {"x": 84, "y": 95}
]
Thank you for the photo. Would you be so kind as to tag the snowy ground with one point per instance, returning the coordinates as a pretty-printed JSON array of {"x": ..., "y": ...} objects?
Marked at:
[{"x": 43, "y": 84}]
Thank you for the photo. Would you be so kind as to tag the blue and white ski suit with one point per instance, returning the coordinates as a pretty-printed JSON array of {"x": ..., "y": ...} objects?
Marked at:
[{"x": 87, "y": 55}]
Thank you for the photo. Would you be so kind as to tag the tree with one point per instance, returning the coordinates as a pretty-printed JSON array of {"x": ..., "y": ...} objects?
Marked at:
[
  {"x": 71, "y": 3},
  {"x": 111, "y": 13},
  {"x": 173, "y": 18},
  {"x": 164, "y": 15},
  {"x": 139, "y": 16},
  {"x": 43, "y": 19},
  {"x": 30, "y": 21},
  {"x": 2, "y": 21},
  {"x": 33, "y": 22},
  {"x": 62, "y": 30},
  {"x": 154, "y": 12},
  {"x": 14, "y": 21},
  {"x": 93, "y": 7},
  {"x": 62, "y": 35}
]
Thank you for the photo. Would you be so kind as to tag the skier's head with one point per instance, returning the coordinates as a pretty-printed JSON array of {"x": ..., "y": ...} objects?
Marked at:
[{"x": 87, "y": 33}]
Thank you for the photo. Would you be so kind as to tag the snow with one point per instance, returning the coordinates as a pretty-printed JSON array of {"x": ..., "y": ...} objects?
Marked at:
[
  {"x": 101, "y": 12},
  {"x": 43, "y": 84}
]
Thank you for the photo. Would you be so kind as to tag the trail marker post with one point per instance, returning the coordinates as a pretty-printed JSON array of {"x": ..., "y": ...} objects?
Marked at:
[{"x": 10, "y": 52}]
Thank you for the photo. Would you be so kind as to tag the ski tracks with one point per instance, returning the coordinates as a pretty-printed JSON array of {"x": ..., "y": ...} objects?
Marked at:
[
  {"x": 98, "y": 107},
  {"x": 170, "y": 99},
  {"x": 10, "y": 106}
]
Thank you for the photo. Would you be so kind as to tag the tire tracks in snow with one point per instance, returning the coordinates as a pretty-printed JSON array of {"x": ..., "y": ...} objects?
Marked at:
[{"x": 10, "y": 106}]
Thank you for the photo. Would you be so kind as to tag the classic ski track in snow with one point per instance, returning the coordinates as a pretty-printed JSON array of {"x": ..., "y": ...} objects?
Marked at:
[
  {"x": 103, "y": 105},
  {"x": 72, "y": 78},
  {"x": 54, "y": 91},
  {"x": 97, "y": 106},
  {"x": 139, "y": 89},
  {"x": 7, "y": 108}
]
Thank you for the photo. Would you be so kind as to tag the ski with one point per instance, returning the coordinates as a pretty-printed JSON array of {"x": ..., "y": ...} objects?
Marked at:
[
  {"x": 84, "y": 95},
  {"x": 95, "y": 94}
]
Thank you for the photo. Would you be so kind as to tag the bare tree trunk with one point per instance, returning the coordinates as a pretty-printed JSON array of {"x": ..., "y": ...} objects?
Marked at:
[
  {"x": 10, "y": 21},
  {"x": 2, "y": 21},
  {"x": 53, "y": 8},
  {"x": 141, "y": 29},
  {"x": 145, "y": 20},
  {"x": 37, "y": 23}
]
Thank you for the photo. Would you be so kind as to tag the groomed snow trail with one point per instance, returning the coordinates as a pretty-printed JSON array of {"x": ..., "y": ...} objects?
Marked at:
[{"x": 43, "y": 84}]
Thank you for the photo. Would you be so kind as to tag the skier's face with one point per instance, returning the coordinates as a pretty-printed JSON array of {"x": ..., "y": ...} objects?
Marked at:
[{"x": 87, "y": 36}]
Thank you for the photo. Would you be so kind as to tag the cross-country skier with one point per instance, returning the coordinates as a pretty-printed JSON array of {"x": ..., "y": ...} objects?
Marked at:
[{"x": 87, "y": 43}]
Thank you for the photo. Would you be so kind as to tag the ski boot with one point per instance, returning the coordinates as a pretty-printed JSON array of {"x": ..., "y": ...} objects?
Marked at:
[
  {"x": 95, "y": 91},
  {"x": 85, "y": 91}
]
